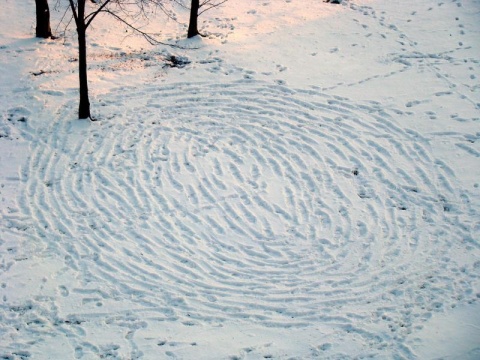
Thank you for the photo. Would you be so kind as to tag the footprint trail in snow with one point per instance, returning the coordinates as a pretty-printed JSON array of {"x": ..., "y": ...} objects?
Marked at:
[{"x": 253, "y": 202}]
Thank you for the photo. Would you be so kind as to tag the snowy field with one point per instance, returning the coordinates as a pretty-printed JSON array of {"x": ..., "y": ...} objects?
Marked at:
[{"x": 305, "y": 185}]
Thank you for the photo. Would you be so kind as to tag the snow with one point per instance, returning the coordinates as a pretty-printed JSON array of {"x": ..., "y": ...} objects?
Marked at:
[{"x": 305, "y": 186}]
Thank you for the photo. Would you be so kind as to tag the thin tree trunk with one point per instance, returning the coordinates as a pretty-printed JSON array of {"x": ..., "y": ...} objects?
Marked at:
[
  {"x": 84, "y": 106},
  {"x": 193, "y": 24},
  {"x": 43, "y": 29}
]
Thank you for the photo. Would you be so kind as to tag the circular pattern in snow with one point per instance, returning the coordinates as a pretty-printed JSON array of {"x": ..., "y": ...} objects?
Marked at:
[{"x": 252, "y": 201}]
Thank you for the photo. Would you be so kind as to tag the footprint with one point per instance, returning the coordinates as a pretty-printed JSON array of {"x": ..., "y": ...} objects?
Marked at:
[
  {"x": 78, "y": 352},
  {"x": 53, "y": 92},
  {"x": 19, "y": 114},
  {"x": 63, "y": 291}
]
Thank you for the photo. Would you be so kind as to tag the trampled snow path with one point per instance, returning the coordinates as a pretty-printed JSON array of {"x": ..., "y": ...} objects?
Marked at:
[{"x": 247, "y": 202}]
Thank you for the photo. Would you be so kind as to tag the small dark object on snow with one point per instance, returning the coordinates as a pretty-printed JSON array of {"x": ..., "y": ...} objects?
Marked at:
[
  {"x": 176, "y": 61},
  {"x": 38, "y": 73},
  {"x": 333, "y": 1}
]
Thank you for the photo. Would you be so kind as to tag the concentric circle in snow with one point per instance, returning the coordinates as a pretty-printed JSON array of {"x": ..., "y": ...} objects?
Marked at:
[{"x": 250, "y": 201}]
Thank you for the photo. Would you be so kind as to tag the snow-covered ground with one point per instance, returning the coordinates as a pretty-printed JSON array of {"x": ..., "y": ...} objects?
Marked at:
[{"x": 306, "y": 186}]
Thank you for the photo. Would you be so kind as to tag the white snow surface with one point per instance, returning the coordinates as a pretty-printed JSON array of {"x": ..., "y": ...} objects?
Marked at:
[{"x": 306, "y": 186}]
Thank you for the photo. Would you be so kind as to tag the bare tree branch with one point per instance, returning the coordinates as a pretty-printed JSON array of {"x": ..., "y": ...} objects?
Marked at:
[
  {"x": 147, "y": 36},
  {"x": 61, "y": 21},
  {"x": 181, "y": 4},
  {"x": 74, "y": 10},
  {"x": 169, "y": 14},
  {"x": 213, "y": 5},
  {"x": 89, "y": 18}
]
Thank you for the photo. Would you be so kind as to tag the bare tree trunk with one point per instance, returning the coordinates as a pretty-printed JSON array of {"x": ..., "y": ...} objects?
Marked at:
[
  {"x": 82, "y": 22},
  {"x": 84, "y": 106},
  {"x": 193, "y": 24},
  {"x": 43, "y": 29}
]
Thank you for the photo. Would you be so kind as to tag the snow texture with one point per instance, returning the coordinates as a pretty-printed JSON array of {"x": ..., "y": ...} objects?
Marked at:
[{"x": 301, "y": 183}]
